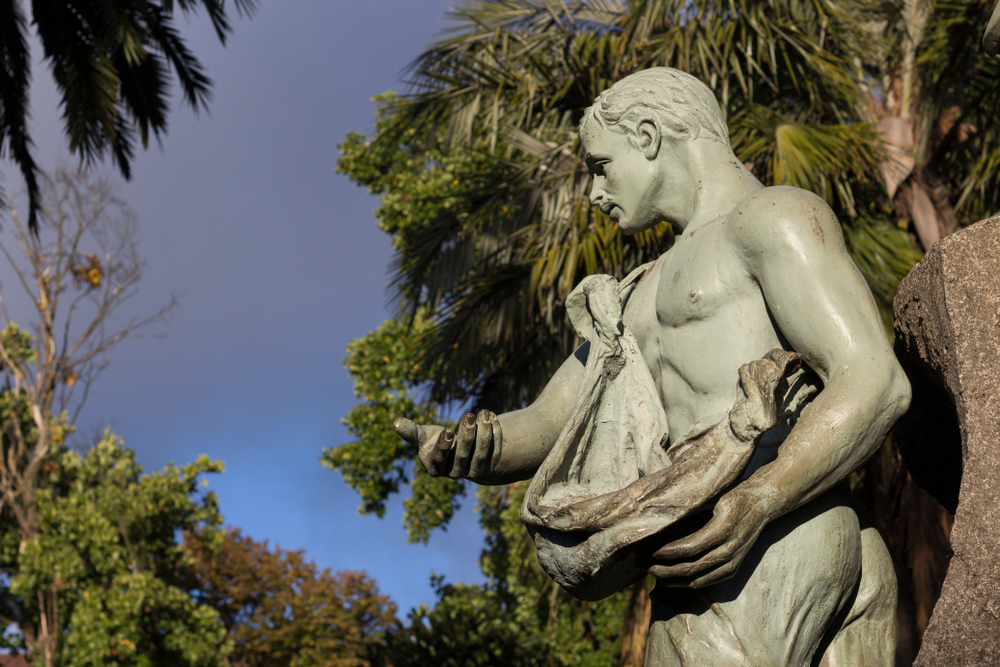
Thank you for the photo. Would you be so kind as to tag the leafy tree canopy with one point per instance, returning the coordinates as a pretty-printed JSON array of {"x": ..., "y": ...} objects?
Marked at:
[
  {"x": 385, "y": 366},
  {"x": 281, "y": 610},
  {"x": 107, "y": 546},
  {"x": 520, "y": 617}
]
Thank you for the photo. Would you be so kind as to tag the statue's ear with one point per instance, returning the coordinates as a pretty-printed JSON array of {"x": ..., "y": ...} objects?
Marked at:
[{"x": 649, "y": 138}]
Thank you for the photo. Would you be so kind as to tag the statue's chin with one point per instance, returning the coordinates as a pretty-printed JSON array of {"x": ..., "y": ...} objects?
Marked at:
[
  {"x": 627, "y": 225},
  {"x": 630, "y": 227}
]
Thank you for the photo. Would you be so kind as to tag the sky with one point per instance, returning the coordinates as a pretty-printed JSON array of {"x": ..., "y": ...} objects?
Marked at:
[{"x": 278, "y": 264}]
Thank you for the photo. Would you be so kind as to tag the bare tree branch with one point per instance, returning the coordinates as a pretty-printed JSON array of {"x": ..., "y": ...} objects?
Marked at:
[{"x": 86, "y": 247}]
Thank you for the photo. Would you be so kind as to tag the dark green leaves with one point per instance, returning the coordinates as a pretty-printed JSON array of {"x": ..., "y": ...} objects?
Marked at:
[
  {"x": 385, "y": 367},
  {"x": 108, "y": 547},
  {"x": 15, "y": 76}
]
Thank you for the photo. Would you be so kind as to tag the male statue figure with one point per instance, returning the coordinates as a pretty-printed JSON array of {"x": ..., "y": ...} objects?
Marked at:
[{"x": 785, "y": 573}]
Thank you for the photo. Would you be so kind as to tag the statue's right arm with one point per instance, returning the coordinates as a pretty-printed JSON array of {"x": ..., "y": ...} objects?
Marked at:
[{"x": 499, "y": 449}]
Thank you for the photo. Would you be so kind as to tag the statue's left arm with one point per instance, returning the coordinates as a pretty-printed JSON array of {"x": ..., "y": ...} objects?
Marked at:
[{"x": 792, "y": 245}]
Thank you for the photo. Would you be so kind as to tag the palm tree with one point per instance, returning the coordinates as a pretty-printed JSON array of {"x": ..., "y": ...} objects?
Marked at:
[
  {"x": 935, "y": 103},
  {"x": 511, "y": 80},
  {"x": 856, "y": 100},
  {"x": 111, "y": 62}
]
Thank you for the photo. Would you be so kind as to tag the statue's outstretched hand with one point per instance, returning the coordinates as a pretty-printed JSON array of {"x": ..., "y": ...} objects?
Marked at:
[
  {"x": 470, "y": 453},
  {"x": 714, "y": 553}
]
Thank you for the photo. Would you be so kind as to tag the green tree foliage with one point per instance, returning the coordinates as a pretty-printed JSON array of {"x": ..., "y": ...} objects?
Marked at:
[
  {"x": 107, "y": 551},
  {"x": 938, "y": 77},
  {"x": 519, "y": 618},
  {"x": 111, "y": 62},
  {"x": 468, "y": 627},
  {"x": 385, "y": 366},
  {"x": 78, "y": 268},
  {"x": 281, "y": 610},
  {"x": 571, "y": 631}
]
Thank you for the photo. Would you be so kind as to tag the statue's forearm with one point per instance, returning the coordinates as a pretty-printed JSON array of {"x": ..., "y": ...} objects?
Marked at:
[
  {"x": 529, "y": 434},
  {"x": 838, "y": 432}
]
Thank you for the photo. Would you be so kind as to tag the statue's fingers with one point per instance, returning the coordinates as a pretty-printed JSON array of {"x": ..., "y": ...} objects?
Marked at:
[
  {"x": 718, "y": 575},
  {"x": 684, "y": 573},
  {"x": 408, "y": 430},
  {"x": 728, "y": 557},
  {"x": 698, "y": 542},
  {"x": 442, "y": 452},
  {"x": 465, "y": 441},
  {"x": 497, "y": 441},
  {"x": 669, "y": 582},
  {"x": 484, "y": 444}
]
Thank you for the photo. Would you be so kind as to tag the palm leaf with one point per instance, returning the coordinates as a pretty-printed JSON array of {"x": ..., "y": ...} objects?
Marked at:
[
  {"x": 510, "y": 80},
  {"x": 15, "y": 76},
  {"x": 110, "y": 62}
]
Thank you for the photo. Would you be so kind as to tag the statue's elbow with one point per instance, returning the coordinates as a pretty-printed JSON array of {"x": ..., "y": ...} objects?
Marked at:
[{"x": 898, "y": 392}]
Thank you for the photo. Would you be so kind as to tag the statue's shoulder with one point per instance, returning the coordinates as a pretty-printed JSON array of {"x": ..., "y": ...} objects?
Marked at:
[{"x": 783, "y": 218}]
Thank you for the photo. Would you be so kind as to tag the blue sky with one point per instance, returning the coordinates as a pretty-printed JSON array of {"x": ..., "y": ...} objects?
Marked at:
[{"x": 279, "y": 264}]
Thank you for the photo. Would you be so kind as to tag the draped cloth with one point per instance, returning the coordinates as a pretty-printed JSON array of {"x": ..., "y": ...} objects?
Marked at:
[{"x": 613, "y": 478}]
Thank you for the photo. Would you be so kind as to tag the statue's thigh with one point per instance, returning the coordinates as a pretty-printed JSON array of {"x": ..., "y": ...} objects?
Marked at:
[
  {"x": 866, "y": 633},
  {"x": 800, "y": 574}
]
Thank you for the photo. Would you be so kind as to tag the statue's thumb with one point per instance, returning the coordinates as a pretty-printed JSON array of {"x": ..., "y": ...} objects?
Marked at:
[{"x": 407, "y": 430}]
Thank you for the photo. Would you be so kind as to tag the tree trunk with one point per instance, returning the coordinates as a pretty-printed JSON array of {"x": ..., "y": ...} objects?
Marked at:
[{"x": 636, "y": 626}]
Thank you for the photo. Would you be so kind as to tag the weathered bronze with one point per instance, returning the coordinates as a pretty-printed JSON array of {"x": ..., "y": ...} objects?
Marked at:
[{"x": 684, "y": 439}]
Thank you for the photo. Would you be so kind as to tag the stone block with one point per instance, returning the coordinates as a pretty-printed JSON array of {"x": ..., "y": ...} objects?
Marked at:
[{"x": 948, "y": 341}]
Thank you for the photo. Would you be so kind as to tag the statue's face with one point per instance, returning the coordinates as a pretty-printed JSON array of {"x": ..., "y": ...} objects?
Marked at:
[{"x": 636, "y": 187}]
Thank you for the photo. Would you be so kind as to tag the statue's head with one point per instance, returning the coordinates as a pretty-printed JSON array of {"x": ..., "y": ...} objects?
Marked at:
[{"x": 634, "y": 138}]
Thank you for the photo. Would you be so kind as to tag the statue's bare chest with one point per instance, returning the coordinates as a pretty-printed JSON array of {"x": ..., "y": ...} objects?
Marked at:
[
  {"x": 697, "y": 315},
  {"x": 693, "y": 282},
  {"x": 697, "y": 279}
]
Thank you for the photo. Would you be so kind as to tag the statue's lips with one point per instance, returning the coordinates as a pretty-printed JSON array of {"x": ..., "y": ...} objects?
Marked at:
[{"x": 609, "y": 210}]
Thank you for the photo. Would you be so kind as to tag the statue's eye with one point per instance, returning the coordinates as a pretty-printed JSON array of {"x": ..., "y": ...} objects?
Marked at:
[{"x": 597, "y": 167}]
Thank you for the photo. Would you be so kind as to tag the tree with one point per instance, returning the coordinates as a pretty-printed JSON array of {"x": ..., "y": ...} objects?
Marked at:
[
  {"x": 111, "y": 63},
  {"x": 281, "y": 610},
  {"x": 103, "y": 578},
  {"x": 483, "y": 191},
  {"x": 520, "y": 617},
  {"x": 469, "y": 626},
  {"x": 484, "y": 194},
  {"x": 385, "y": 366},
  {"x": 77, "y": 271}
]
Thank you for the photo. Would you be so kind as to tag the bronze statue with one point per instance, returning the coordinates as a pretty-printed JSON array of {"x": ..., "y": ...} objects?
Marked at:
[{"x": 715, "y": 419}]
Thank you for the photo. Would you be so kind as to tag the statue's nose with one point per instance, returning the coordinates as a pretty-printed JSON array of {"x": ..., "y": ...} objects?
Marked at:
[{"x": 596, "y": 194}]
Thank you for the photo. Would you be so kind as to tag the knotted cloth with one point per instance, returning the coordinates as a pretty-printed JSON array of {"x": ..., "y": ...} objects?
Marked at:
[{"x": 613, "y": 479}]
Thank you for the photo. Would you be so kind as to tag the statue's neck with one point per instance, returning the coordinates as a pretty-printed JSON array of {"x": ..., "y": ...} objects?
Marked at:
[{"x": 722, "y": 182}]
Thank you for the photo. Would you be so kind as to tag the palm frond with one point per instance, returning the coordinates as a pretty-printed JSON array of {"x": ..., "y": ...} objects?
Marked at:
[
  {"x": 826, "y": 159},
  {"x": 111, "y": 63},
  {"x": 884, "y": 254},
  {"x": 963, "y": 141},
  {"x": 15, "y": 77},
  {"x": 509, "y": 81}
]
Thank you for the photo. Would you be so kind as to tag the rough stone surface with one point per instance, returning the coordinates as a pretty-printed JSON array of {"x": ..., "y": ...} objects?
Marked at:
[{"x": 948, "y": 340}]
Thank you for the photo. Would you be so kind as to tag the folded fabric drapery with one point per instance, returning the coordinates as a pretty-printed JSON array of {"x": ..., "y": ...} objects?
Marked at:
[{"x": 611, "y": 481}]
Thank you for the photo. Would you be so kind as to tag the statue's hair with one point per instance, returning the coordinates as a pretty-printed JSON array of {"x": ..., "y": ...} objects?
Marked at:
[{"x": 683, "y": 105}]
